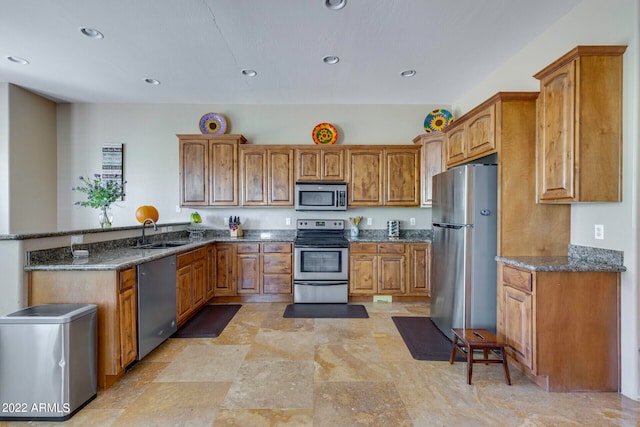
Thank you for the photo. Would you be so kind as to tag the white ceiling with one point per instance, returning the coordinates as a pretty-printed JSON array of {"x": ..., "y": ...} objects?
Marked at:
[{"x": 197, "y": 48}]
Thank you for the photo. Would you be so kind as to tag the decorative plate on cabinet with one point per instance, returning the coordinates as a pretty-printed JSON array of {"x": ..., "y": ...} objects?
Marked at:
[
  {"x": 324, "y": 133},
  {"x": 213, "y": 123},
  {"x": 437, "y": 120}
]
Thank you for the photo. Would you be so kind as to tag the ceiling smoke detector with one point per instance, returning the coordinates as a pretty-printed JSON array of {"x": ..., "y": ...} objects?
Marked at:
[
  {"x": 408, "y": 73},
  {"x": 249, "y": 73},
  {"x": 152, "y": 81},
  {"x": 92, "y": 33},
  {"x": 335, "y": 4},
  {"x": 330, "y": 59}
]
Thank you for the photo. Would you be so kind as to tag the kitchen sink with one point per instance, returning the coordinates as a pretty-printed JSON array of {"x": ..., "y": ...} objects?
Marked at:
[{"x": 161, "y": 245}]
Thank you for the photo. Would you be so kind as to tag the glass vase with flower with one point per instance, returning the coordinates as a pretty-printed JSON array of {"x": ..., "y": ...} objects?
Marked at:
[{"x": 101, "y": 193}]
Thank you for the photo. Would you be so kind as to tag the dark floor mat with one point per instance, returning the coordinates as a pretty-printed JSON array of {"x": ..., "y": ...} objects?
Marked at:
[
  {"x": 335, "y": 311},
  {"x": 209, "y": 322},
  {"x": 423, "y": 339}
]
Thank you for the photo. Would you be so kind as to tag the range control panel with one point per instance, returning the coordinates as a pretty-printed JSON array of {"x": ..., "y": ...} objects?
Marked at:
[{"x": 320, "y": 224}]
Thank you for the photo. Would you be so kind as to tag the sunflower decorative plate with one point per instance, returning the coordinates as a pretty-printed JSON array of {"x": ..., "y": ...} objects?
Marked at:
[
  {"x": 213, "y": 123},
  {"x": 437, "y": 120},
  {"x": 324, "y": 133}
]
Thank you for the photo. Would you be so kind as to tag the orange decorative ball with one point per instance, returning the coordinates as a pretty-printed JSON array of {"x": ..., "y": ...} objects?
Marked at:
[{"x": 146, "y": 212}]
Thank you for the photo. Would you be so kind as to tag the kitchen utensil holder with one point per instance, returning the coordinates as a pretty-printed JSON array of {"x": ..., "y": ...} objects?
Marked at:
[
  {"x": 393, "y": 228},
  {"x": 236, "y": 232}
]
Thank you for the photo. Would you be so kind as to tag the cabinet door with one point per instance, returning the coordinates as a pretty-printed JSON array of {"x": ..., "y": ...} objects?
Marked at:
[
  {"x": 433, "y": 162},
  {"x": 308, "y": 165},
  {"x": 183, "y": 293},
  {"x": 481, "y": 133},
  {"x": 127, "y": 302},
  {"x": 363, "y": 274},
  {"x": 223, "y": 164},
  {"x": 199, "y": 278},
  {"x": 518, "y": 324},
  {"x": 402, "y": 169},
  {"x": 281, "y": 183},
  {"x": 253, "y": 176},
  {"x": 248, "y": 271},
  {"x": 367, "y": 176},
  {"x": 212, "y": 271},
  {"x": 333, "y": 164},
  {"x": 392, "y": 273},
  {"x": 556, "y": 151},
  {"x": 456, "y": 145},
  {"x": 194, "y": 173},
  {"x": 420, "y": 269},
  {"x": 225, "y": 271}
]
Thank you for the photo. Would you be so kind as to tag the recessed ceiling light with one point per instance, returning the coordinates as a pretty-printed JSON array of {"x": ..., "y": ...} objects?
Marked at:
[
  {"x": 408, "y": 73},
  {"x": 152, "y": 81},
  {"x": 249, "y": 73},
  {"x": 17, "y": 60},
  {"x": 92, "y": 33},
  {"x": 335, "y": 4},
  {"x": 331, "y": 59}
]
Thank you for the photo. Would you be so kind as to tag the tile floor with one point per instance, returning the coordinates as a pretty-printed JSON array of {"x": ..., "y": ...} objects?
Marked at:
[{"x": 265, "y": 370}]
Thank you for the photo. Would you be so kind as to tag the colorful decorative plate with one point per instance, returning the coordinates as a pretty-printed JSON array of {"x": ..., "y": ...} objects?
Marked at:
[
  {"x": 437, "y": 120},
  {"x": 213, "y": 123},
  {"x": 324, "y": 133}
]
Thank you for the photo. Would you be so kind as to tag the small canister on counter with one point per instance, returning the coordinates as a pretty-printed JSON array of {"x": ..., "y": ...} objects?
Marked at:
[{"x": 393, "y": 228}]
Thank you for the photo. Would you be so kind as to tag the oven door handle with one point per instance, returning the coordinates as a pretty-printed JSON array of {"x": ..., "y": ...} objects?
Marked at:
[{"x": 321, "y": 283}]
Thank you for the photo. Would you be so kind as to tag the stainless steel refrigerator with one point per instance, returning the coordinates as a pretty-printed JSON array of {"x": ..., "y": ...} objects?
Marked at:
[{"x": 463, "y": 272}]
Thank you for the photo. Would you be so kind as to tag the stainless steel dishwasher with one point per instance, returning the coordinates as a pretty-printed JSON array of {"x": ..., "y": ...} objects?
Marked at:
[{"x": 156, "y": 303}]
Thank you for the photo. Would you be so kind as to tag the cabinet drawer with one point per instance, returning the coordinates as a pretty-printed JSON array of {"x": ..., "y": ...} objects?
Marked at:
[
  {"x": 184, "y": 260},
  {"x": 391, "y": 248},
  {"x": 127, "y": 279},
  {"x": 363, "y": 248},
  {"x": 517, "y": 278},
  {"x": 200, "y": 253},
  {"x": 248, "y": 248},
  {"x": 277, "y": 284},
  {"x": 276, "y": 247},
  {"x": 276, "y": 264}
]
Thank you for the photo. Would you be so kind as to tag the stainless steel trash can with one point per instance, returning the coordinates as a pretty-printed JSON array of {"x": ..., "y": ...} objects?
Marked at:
[{"x": 47, "y": 361}]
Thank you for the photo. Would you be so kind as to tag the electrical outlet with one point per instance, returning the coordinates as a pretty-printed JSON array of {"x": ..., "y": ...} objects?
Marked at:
[
  {"x": 287, "y": 220},
  {"x": 178, "y": 209},
  {"x": 369, "y": 221},
  {"x": 76, "y": 240},
  {"x": 412, "y": 221},
  {"x": 599, "y": 232}
]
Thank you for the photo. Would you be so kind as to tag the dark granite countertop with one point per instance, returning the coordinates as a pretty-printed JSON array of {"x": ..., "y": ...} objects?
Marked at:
[
  {"x": 120, "y": 254},
  {"x": 578, "y": 259}
]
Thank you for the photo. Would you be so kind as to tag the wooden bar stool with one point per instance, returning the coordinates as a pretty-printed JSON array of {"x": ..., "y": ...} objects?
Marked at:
[{"x": 466, "y": 341}]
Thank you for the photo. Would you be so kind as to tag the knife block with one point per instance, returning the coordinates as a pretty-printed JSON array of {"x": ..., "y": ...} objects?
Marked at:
[{"x": 237, "y": 232}]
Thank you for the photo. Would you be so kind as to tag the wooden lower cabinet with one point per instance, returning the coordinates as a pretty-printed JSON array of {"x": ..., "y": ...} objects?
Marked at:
[
  {"x": 561, "y": 328},
  {"x": 389, "y": 268},
  {"x": 248, "y": 268},
  {"x": 114, "y": 292},
  {"x": 191, "y": 283},
  {"x": 277, "y": 268}
]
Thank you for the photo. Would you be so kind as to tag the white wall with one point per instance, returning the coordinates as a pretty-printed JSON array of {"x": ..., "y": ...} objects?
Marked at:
[
  {"x": 593, "y": 22},
  {"x": 32, "y": 169},
  {"x": 4, "y": 157},
  {"x": 148, "y": 132}
]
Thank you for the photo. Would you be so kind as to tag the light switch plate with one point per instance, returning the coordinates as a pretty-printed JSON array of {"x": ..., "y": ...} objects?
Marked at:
[
  {"x": 599, "y": 232},
  {"x": 412, "y": 221},
  {"x": 76, "y": 240},
  {"x": 369, "y": 221}
]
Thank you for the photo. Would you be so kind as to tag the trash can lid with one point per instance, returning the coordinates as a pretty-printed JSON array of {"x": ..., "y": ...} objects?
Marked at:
[{"x": 49, "y": 313}]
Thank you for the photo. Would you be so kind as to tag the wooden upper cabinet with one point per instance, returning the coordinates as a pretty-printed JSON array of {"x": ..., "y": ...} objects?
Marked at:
[
  {"x": 266, "y": 176},
  {"x": 209, "y": 169},
  {"x": 366, "y": 177},
  {"x": 432, "y": 162},
  {"x": 472, "y": 136},
  {"x": 321, "y": 164},
  {"x": 402, "y": 169},
  {"x": 194, "y": 172},
  {"x": 456, "y": 145},
  {"x": 580, "y": 127}
]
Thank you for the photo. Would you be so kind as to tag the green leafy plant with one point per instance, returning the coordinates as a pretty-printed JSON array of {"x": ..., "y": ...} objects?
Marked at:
[{"x": 100, "y": 193}]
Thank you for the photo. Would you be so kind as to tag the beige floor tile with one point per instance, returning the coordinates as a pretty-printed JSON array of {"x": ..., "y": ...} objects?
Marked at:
[
  {"x": 278, "y": 345},
  {"x": 200, "y": 362},
  {"x": 350, "y": 362},
  {"x": 264, "y": 418}
]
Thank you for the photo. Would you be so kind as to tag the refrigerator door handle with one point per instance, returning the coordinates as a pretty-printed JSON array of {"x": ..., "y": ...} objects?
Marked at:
[{"x": 455, "y": 227}]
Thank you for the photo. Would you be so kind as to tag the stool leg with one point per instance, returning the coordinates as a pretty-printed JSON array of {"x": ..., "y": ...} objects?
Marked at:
[
  {"x": 506, "y": 367},
  {"x": 453, "y": 350},
  {"x": 469, "y": 364}
]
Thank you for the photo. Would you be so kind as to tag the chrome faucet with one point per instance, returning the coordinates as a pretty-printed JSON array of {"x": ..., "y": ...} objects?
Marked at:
[{"x": 144, "y": 224}]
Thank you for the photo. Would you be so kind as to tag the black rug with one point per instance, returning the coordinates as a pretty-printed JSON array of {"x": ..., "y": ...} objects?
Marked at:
[
  {"x": 209, "y": 322},
  {"x": 330, "y": 311},
  {"x": 423, "y": 339}
]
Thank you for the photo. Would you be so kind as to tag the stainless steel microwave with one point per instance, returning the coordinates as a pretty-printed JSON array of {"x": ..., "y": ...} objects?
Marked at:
[{"x": 321, "y": 196}]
